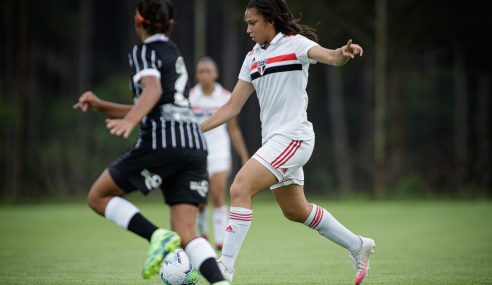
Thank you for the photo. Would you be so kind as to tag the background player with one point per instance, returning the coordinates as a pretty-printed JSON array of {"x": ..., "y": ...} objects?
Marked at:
[
  {"x": 170, "y": 153},
  {"x": 206, "y": 97},
  {"x": 277, "y": 69}
]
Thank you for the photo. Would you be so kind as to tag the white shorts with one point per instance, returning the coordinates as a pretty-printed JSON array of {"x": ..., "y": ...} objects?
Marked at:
[
  {"x": 285, "y": 158},
  {"x": 219, "y": 161}
]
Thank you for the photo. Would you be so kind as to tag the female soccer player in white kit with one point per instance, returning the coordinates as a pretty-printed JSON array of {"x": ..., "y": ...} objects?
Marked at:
[
  {"x": 207, "y": 97},
  {"x": 277, "y": 69}
]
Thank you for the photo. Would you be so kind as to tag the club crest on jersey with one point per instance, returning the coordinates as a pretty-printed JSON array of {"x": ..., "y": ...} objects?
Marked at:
[{"x": 262, "y": 66}]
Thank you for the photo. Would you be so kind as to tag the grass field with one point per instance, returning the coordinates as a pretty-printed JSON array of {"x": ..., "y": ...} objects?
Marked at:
[{"x": 417, "y": 243}]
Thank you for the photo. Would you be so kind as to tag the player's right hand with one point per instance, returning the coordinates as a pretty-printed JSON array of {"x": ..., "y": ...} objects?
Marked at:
[{"x": 88, "y": 101}]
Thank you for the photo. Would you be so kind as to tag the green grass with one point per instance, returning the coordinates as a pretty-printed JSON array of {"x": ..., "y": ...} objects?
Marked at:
[{"x": 417, "y": 243}]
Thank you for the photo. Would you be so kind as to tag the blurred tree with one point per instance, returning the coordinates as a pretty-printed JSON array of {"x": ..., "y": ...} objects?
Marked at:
[
  {"x": 461, "y": 125},
  {"x": 341, "y": 142},
  {"x": 21, "y": 107},
  {"x": 380, "y": 98},
  {"x": 414, "y": 110},
  {"x": 484, "y": 133}
]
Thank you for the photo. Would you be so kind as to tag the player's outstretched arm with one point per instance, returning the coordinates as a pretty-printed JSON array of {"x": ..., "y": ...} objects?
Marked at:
[
  {"x": 231, "y": 109},
  {"x": 89, "y": 101},
  {"x": 336, "y": 57},
  {"x": 150, "y": 96}
]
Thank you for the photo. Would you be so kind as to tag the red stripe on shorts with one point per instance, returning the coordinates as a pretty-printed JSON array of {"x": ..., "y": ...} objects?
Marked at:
[
  {"x": 282, "y": 153},
  {"x": 288, "y": 155}
]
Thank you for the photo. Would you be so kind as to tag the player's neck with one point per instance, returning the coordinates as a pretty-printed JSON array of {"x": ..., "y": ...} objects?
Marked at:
[{"x": 208, "y": 89}]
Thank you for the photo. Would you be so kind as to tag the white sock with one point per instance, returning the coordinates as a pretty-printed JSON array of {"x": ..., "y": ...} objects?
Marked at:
[
  {"x": 322, "y": 221},
  {"x": 198, "y": 251},
  {"x": 235, "y": 233},
  {"x": 220, "y": 222},
  {"x": 120, "y": 211},
  {"x": 202, "y": 222}
]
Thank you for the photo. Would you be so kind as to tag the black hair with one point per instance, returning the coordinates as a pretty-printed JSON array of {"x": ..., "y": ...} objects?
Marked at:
[
  {"x": 208, "y": 59},
  {"x": 278, "y": 13},
  {"x": 157, "y": 15}
]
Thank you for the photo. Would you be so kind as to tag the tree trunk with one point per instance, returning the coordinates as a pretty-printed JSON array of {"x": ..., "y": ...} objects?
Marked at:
[
  {"x": 365, "y": 154},
  {"x": 396, "y": 128},
  {"x": 483, "y": 119},
  {"x": 336, "y": 106},
  {"x": 200, "y": 29},
  {"x": 380, "y": 100},
  {"x": 21, "y": 103},
  {"x": 6, "y": 93},
  {"x": 230, "y": 46},
  {"x": 85, "y": 56},
  {"x": 460, "y": 121}
]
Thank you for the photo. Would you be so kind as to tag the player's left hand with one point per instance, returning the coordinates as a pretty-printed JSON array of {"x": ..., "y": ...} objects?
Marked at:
[
  {"x": 119, "y": 127},
  {"x": 351, "y": 50}
]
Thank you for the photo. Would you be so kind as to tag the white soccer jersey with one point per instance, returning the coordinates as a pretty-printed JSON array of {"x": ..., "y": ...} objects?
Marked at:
[
  {"x": 204, "y": 106},
  {"x": 280, "y": 75}
]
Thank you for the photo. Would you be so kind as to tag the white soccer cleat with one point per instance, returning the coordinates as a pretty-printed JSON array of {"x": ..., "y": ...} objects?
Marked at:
[
  {"x": 227, "y": 272},
  {"x": 361, "y": 259}
]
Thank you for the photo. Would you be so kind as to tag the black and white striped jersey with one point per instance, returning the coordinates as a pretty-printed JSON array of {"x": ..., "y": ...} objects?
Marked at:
[{"x": 171, "y": 123}]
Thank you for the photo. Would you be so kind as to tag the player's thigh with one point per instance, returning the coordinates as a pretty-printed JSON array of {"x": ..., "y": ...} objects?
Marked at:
[
  {"x": 292, "y": 201},
  {"x": 183, "y": 217},
  {"x": 251, "y": 179}
]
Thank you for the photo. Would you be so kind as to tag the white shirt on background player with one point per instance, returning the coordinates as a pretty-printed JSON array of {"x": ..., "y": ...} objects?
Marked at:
[{"x": 218, "y": 140}]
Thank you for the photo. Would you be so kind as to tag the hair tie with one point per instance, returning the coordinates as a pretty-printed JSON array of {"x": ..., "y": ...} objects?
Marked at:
[{"x": 140, "y": 19}]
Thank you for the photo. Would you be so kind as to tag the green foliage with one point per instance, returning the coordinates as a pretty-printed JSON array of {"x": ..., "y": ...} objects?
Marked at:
[
  {"x": 7, "y": 114},
  {"x": 411, "y": 187},
  {"x": 82, "y": 147},
  {"x": 66, "y": 150}
]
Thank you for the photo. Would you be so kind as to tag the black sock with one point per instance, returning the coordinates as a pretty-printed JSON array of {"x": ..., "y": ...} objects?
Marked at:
[
  {"x": 210, "y": 270},
  {"x": 141, "y": 226}
]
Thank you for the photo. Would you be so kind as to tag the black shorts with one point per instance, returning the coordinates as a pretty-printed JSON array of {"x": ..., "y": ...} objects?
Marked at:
[{"x": 180, "y": 173}]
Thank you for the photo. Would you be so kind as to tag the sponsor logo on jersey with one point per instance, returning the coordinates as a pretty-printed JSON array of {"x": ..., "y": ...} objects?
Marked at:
[
  {"x": 152, "y": 181},
  {"x": 284, "y": 170},
  {"x": 200, "y": 186}
]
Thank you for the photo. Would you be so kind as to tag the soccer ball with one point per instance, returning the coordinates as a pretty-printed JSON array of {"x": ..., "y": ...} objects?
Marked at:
[{"x": 176, "y": 269}]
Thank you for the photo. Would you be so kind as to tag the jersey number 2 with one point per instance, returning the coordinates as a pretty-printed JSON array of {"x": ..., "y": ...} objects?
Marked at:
[{"x": 180, "y": 84}]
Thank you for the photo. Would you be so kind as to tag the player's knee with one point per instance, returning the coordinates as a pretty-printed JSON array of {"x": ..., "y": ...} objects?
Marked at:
[
  {"x": 293, "y": 215},
  {"x": 95, "y": 202},
  {"x": 239, "y": 190}
]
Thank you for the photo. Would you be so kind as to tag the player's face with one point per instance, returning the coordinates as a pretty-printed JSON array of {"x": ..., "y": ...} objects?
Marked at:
[
  {"x": 259, "y": 29},
  {"x": 206, "y": 73}
]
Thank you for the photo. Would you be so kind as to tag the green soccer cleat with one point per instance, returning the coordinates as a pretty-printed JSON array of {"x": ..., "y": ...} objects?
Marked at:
[{"x": 162, "y": 243}]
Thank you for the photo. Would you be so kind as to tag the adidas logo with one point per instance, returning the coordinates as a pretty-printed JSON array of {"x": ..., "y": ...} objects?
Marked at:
[
  {"x": 230, "y": 230},
  {"x": 284, "y": 170}
]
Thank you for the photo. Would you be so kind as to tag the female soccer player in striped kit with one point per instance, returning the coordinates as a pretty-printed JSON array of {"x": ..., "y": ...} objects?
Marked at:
[
  {"x": 170, "y": 153},
  {"x": 206, "y": 97},
  {"x": 277, "y": 69}
]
